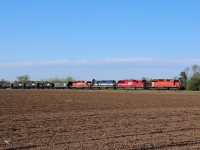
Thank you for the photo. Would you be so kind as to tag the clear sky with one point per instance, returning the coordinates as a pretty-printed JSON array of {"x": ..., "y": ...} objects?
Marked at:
[{"x": 102, "y": 39}]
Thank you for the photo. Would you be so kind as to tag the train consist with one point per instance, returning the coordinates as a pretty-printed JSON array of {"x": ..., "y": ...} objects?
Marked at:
[{"x": 161, "y": 84}]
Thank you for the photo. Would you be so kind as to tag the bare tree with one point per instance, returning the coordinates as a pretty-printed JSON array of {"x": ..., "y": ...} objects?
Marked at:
[
  {"x": 187, "y": 71},
  {"x": 195, "y": 69}
]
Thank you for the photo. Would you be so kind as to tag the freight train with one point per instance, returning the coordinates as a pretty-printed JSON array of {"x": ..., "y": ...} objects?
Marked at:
[{"x": 155, "y": 84}]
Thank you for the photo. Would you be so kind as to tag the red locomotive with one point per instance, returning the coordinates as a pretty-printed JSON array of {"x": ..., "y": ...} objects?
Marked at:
[
  {"x": 80, "y": 85},
  {"x": 165, "y": 84},
  {"x": 132, "y": 84}
]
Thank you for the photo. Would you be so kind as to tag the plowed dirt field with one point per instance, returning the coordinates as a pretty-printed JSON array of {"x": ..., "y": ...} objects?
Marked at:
[{"x": 66, "y": 119}]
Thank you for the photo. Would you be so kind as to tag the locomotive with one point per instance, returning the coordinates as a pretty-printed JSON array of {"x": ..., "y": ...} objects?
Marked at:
[
  {"x": 132, "y": 84},
  {"x": 80, "y": 85},
  {"x": 104, "y": 84},
  {"x": 168, "y": 84}
]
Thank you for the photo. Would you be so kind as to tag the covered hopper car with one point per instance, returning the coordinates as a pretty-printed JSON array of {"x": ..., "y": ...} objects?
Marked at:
[{"x": 62, "y": 85}]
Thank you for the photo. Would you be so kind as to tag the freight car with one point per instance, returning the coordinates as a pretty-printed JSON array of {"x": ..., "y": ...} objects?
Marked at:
[
  {"x": 45, "y": 85},
  {"x": 80, "y": 85},
  {"x": 132, "y": 84},
  {"x": 31, "y": 85},
  {"x": 5, "y": 85},
  {"x": 1, "y": 84},
  {"x": 62, "y": 85},
  {"x": 17, "y": 85},
  {"x": 104, "y": 84},
  {"x": 169, "y": 84}
]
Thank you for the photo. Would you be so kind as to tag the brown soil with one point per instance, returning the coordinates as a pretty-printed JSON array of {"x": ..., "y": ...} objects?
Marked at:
[{"x": 66, "y": 119}]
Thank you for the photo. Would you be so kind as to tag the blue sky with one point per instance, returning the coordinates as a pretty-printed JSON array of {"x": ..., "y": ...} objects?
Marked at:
[{"x": 107, "y": 39}]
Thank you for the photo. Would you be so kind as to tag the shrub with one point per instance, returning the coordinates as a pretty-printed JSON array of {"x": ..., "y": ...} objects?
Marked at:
[{"x": 194, "y": 83}]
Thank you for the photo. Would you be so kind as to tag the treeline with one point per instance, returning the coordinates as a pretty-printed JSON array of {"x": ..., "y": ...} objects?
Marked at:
[
  {"x": 190, "y": 78},
  {"x": 26, "y": 78},
  {"x": 56, "y": 79}
]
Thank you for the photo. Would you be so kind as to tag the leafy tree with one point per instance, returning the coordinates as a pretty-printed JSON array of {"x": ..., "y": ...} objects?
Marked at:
[
  {"x": 23, "y": 78},
  {"x": 148, "y": 80},
  {"x": 56, "y": 79},
  {"x": 69, "y": 78},
  {"x": 2, "y": 80},
  {"x": 198, "y": 74},
  {"x": 93, "y": 81},
  {"x": 183, "y": 79},
  {"x": 194, "y": 83}
]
